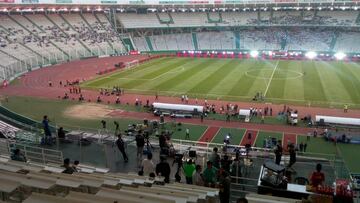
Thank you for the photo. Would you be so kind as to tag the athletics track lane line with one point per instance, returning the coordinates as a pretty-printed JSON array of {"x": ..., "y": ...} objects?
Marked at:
[
  {"x": 245, "y": 139},
  {"x": 209, "y": 134}
]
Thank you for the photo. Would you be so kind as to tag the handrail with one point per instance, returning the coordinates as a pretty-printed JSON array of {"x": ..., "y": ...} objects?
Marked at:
[{"x": 37, "y": 154}]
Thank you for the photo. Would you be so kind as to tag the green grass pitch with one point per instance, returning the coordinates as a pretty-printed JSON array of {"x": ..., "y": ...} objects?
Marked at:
[{"x": 317, "y": 83}]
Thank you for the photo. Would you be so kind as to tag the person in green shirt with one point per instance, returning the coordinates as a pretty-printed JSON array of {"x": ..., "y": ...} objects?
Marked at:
[
  {"x": 210, "y": 174},
  {"x": 189, "y": 169}
]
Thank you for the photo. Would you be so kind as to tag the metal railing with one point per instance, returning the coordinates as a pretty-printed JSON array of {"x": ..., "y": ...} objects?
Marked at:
[{"x": 32, "y": 154}]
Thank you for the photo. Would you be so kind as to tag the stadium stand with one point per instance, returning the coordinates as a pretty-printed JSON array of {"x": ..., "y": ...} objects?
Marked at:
[
  {"x": 32, "y": 40},
  {"x": 348, "y": 41},
  {"x": 91, "y": 187},
  {"x": 7, "y": 130}
]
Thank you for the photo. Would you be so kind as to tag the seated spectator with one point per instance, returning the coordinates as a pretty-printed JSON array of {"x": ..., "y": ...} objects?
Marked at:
[
  {"x": 68, "y": 169},
  {"x": 163, "y": 169},
  {"x": 18, "y": 156},
  {"x": 148, "y": 165},
  {"x": 317, "y": 177},
  {"x": 198, "y": 177},
  {"x": 76, "y": 166},
  {"x": 61, "y": 136}
]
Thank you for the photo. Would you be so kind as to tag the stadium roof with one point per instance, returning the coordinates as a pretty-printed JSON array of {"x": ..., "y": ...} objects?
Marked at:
[{"x": 348, "y": 4}]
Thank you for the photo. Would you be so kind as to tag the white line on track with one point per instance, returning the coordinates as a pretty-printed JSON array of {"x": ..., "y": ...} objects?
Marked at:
[{"x": 271, "y": 77}]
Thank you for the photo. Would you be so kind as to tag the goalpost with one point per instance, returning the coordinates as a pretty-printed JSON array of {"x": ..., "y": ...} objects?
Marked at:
[{"x": 132, "y": 64}]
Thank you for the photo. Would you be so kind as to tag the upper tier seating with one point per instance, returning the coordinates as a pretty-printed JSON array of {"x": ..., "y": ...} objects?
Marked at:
[
  {"x": 30, "y": 40},
  {"x": 241, "y": 18},
  {"x": 348, "y": 42}
]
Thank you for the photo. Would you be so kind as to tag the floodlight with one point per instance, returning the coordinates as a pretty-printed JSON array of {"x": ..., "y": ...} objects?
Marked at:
[
  {"x": 340, "y": 56},
  {"x": 355, "y": 8},
  {"x": 270, "y": 53},
  {"x": 311, "y": 54},
  {"x": 254, "y": 54}
]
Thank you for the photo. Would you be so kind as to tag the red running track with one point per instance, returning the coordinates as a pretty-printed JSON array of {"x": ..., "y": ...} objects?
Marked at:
[
  {"x": 249, "y": 139},
  {"x": 288, "y": 138},
  {"x": 35, "y": 84},
  {"x": 209, "y": 134}
]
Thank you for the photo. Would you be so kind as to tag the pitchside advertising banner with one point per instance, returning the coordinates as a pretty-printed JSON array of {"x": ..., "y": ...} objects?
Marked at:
[{"x": 167, "y": 2}]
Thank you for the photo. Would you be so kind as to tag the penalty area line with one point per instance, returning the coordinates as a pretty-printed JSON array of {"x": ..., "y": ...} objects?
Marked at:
[{"x": 271, "y": 77}]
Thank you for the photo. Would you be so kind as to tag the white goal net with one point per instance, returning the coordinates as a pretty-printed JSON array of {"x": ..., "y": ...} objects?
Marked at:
[{"x": 132, "y": 64}]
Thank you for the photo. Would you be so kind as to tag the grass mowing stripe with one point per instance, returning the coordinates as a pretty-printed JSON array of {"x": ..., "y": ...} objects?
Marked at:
[
  {"x": 244, "y": 83},
  {"x": 350, "y": 82},
  {"x": 262, "y": 135},
  {"x": 151, "y": 84},
  {"x": 134, "y": 83},
  {"x": 334, "y": 89},
  {"x": 143, "y": 66},
  {"x": 224, "y": 86},
  {"x": 123, "y": 73},
  {"x": 177, "y": 79},
  {"x": 313, "y": 88},
  {"x": 140, "y": 71},
  {"x": 314, "y": 145},
  {"x": 292, "y": 84},
  {"x": 196, "y": 131},
  {"x": 213, "y": 79},
  {"x": 348, "y": 153},
  {"x": 166, "y": 69},
  {"x": 277, "y": 87}
]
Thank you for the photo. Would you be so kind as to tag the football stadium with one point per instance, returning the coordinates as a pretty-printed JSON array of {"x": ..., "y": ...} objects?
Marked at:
[{"x": 178, "y": 101}]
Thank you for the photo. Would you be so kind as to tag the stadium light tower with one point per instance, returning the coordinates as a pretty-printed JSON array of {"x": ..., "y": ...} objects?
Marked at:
[
  {"x": 254, "y": 54},
  {"x": 340, "y": 56},
  {"x": 311, "y": 54}
]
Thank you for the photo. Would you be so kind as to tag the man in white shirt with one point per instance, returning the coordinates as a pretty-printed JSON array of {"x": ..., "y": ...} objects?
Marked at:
[
  {"x": 187, "y": 134},
  {"x": 148, "y": 165}
]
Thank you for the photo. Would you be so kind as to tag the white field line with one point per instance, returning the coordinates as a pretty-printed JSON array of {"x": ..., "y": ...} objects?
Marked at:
[
  {"x": 169, "y": 72},
  {"x": 271, "y": 77},
  {"x": 212, "y": 139}
]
